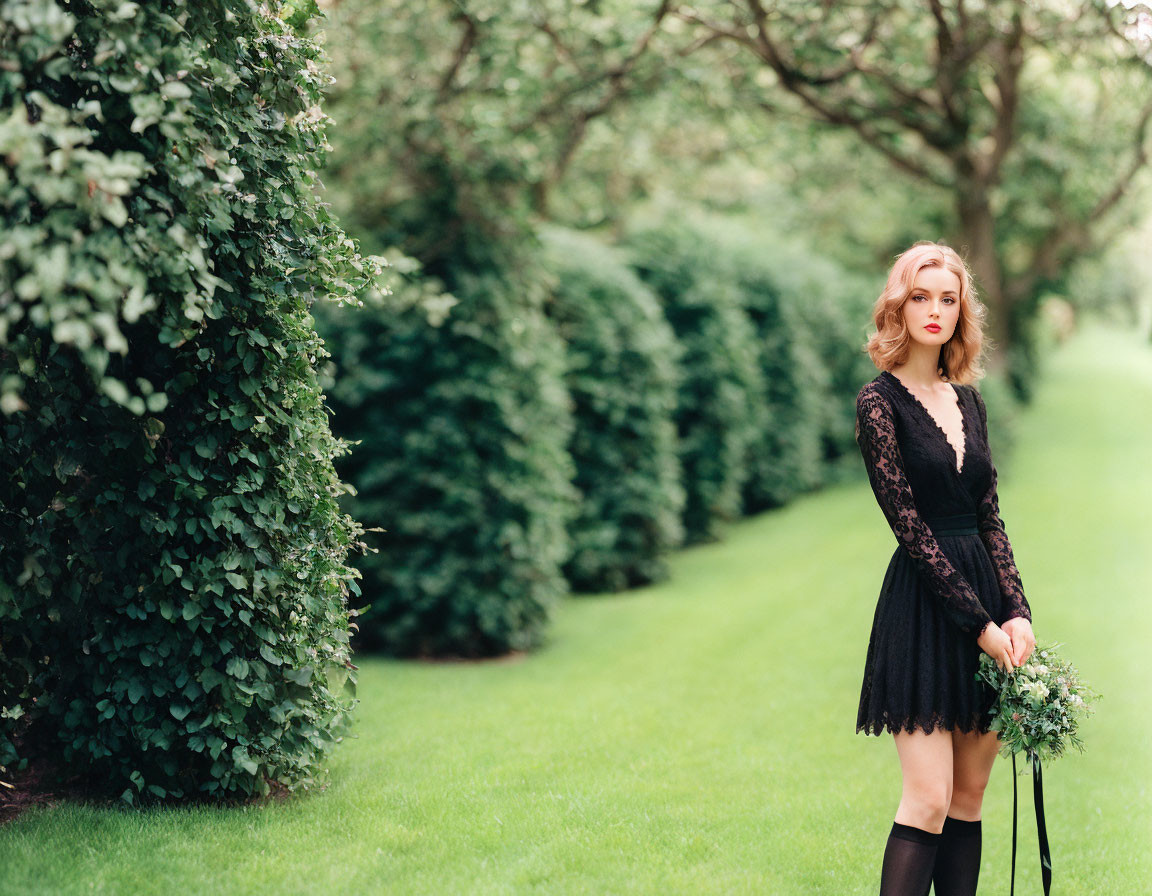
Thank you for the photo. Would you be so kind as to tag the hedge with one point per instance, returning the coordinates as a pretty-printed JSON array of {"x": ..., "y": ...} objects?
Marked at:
[
  {"x": 173, "y": 614},
  {"x": 622, "y": 376},
  {"x": 463, "y": 421},
  {"x": 721, "y": 402}
]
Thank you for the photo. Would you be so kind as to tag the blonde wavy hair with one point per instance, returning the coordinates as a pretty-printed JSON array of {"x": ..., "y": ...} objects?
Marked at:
[{"x": 961, "y": 356}]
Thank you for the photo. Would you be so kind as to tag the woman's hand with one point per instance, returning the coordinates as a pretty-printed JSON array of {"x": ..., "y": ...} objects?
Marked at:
[
  {"x": 1019, "y": 630},
  {"x": 996, "y": 643}
]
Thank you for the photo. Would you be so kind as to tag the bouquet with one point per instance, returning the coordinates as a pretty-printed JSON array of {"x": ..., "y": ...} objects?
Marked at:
[
  {"x": 1037, "y": 712},
  {"x": 1039, "y": 705}
]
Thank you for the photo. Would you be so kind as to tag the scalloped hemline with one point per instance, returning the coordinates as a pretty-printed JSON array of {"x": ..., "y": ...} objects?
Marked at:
[{"x": 969, "y": 726}]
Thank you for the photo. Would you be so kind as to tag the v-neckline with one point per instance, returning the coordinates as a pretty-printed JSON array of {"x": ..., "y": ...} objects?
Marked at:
[{"x": 958, "y": 459}]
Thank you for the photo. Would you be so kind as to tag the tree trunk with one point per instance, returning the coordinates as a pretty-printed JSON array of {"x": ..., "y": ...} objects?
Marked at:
[{"x": 978, "y": 239}]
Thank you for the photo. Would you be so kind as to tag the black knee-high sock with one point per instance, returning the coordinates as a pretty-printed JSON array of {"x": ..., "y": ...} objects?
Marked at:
[
  {"x": 958, "y": 858},
  {"x": 908, "y": 860}
]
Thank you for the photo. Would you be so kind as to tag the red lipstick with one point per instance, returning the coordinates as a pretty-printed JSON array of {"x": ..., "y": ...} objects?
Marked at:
[{"x": 935, "y": 328}]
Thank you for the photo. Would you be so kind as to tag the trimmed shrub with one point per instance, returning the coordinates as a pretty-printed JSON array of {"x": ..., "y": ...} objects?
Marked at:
[
  {"x": 787, "y": 457},
  {"x": 834, "y": 307},
  {"x": 173, "y": 615},
  {"x": 721, "y": 407},
  {"x": 811, "y": 316},
  {"x": 462, "y": 421},
  {"x": 622, "y": 376}
]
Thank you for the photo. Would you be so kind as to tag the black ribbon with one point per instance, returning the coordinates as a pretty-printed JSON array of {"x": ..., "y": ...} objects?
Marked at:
[{"x": 1041, "y": 828}]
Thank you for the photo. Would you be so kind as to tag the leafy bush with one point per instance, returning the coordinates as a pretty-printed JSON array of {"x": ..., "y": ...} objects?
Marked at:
[
  {"x": 721, "y": 407},
  {"x": 833, "y": 311},
  {"x": 463, "y": 421},
  {"x": 173, "y": 607},
  {"x": 787, "y": 456},
  {"x": 622, "y": 376}
]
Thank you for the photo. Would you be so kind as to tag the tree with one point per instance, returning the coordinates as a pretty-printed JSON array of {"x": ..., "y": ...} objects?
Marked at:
[
  {"x": 968, "y": 99},
  {"x": 460, "y": 117}
]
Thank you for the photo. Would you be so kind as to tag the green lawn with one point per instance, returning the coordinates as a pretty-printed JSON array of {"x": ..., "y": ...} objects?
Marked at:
[{"x": 699, "y": 737}]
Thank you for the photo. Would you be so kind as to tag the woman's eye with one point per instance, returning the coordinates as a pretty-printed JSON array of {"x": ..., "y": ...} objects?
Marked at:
[{"x": 949, "y": 300}]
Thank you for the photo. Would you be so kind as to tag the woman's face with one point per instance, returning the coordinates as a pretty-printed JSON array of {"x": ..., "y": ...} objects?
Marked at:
[{"x": 933, "y": 307}]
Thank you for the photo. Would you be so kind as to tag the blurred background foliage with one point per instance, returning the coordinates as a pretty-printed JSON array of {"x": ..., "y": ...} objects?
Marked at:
[{"x": 749, "y": 170}]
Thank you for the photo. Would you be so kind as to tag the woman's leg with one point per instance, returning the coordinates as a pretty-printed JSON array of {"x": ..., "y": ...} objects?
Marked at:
[
  {"x": 926, "y": 764},
  {"x": 926, "y": 768},
  {"x": 973, "y": 755},
  {"x": 957, "y": 869}
]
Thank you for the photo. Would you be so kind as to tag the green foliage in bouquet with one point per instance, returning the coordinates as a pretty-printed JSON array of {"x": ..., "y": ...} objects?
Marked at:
[
  {"x": 721, "y": 408},
  {"x": 459, "y": 405},
  {"x": 622, "y": 376},
  {"x": 173, "y": 560},
  {"x": 1039, "y": 705}
]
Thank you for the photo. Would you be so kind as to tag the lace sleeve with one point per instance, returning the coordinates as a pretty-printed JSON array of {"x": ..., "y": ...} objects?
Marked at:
[
  {"x": 996, "y": 539},
  {"x": 876, "y": 435}
]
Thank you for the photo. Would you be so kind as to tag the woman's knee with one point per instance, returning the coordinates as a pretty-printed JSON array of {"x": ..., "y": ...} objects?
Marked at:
[
  {"x": 967, "y": 799},
  {"x": 972, "y": 766},
  {"x": 927, "y": 802},
  {"x": 927, "y": 770}
]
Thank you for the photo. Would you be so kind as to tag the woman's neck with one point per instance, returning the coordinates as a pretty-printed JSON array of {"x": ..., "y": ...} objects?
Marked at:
[{"x": 922, "y": 367}]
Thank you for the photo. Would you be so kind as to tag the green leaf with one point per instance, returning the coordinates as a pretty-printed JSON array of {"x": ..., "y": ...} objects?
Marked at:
[{"x": 299, "y": 676}]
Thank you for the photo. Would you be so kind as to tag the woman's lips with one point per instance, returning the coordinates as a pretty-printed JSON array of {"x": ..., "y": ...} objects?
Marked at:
[{"x": 935, "y": 328}]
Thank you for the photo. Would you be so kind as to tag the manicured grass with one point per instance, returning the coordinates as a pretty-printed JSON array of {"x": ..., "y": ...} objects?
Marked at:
[{"x": 699, "y": 737}]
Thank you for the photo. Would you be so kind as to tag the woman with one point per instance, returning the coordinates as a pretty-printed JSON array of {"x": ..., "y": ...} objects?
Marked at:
[{"x": 952, "y": 588}]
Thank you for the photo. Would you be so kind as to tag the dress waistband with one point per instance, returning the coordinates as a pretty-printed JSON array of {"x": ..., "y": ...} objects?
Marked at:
[{"x": 958, "y": 524}]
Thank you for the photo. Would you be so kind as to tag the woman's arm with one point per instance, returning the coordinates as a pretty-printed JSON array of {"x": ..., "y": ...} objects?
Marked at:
[
  {"x": 996, "y": 539},
  {"x": 876, "y": 436}
]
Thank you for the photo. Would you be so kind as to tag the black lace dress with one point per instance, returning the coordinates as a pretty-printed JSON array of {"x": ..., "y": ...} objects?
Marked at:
[{"x": 952, "y": 571}]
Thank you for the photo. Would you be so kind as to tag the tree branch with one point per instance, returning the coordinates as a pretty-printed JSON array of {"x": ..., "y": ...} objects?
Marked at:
[
  {"x": 1008, "y": 63},
  {"x": 1139, "y": 161},
  {"x": 947, "y": 67},
  {"x": 561, "y": 49},
  {"x": 617, "y": 85},
  {"x": 875, "y": 138},
  {"x": 1052, "y": 251},
  {"x": 909, "y": 108},
  {"x": 789, "y": 74},
  {"x": 717, "y": 31},
  {"x": 614, "y": 75},
  {"x": 463, "y": 48}
]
